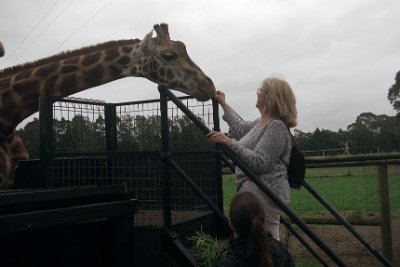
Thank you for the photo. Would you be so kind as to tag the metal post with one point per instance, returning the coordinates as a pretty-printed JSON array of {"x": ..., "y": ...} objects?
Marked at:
[
  {"x": 165, "y": 155},
  {"x": 218, "y": 171},
  {"x": 46, "y": 141},
  {"x": 386, "y": 225},
  {"x": 110, "y": 115}
]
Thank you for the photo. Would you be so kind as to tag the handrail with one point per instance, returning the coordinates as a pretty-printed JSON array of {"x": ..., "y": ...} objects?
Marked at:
[{"x": 164, "y": 90}]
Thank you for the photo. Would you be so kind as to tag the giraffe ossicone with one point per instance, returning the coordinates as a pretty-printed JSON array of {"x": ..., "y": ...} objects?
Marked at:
[{"x": 158, "y": 59}]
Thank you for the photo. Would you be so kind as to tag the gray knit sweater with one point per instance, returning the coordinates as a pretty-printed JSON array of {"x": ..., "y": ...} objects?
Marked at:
[{"x": 265, "y": 148}]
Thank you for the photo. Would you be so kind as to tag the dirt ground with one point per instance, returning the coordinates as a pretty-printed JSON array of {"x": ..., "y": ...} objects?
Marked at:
[
  {"x": 345, "y": 245},
  {"x": 337, "y": 237}
]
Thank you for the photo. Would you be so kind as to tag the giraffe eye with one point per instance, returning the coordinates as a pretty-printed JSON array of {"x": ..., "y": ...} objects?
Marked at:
[{"x": 169, "y": 56}]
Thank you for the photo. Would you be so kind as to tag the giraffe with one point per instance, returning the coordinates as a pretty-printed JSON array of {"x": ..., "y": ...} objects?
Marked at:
[{"x": 158, "y": 59}]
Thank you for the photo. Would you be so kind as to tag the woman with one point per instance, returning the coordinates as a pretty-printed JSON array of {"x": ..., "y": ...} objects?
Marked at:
[
  {"x": 252, "y": 246},
  {"x": 263, "y": 144}
]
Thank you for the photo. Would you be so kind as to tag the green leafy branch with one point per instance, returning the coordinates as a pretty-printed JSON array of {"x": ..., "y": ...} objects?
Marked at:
[{"x": 207, "y": 248}]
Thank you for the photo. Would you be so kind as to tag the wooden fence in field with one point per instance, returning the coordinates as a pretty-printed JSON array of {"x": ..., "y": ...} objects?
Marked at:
[{"x": 381, "y": 161}]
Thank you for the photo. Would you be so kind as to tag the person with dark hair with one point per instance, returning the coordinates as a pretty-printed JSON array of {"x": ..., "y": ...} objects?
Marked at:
[
  {"x": 264, "y": 144},
  {"x": 251, "y": 246}
]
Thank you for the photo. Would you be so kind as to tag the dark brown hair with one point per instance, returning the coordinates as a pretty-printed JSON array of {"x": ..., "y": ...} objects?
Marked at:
[{"x": 247, "y": 217}]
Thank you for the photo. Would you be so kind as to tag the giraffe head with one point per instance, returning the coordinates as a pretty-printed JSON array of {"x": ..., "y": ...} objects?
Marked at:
[{"x": 166, "y": 61}]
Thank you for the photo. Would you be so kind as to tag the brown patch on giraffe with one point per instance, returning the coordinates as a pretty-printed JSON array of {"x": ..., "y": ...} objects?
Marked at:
[
  {"x": 69, "y": 68},
  {"x": 124, "y": 60},
  {"x": 115, "y": 72},
  {"x": 91, "y": 59},
  {"x": 6, "y": 129},
  {"x": 30, "y": 96},
  {"x": 49, "y": 85},
  {"x": 5, "y": 83},
  {"x": 145, "y": 68},
  {"x": 91, "y": 76},
  {"x": 162, "y": 72},
  {"x": 22, "y": 75},
  {"x": 7, "y": 101},
  {"x": 174, "y": 84},
  {"x": 127, "y": 49},
  {"x": 154, "y": 76},
  {"x": 71, "y": 61},
  {"x": 21, "y": 88},
  {"x": 170, "y": 74},
  {"x": 46, "y": 70},
  {"x": 68, "y": 84},
  {"x": 111, "y": 54},
  {"x": 134, "y": 71}
]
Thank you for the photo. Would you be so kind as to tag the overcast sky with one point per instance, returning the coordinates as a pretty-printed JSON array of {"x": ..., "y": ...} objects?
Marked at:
[{"x": 340, "y": 56}]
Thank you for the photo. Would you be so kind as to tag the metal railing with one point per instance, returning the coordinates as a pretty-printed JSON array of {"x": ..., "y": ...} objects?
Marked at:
[{"x": 165, "y": 94}]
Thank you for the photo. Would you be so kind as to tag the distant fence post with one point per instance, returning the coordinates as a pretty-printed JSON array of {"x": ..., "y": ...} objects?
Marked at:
[{"x": 386, "y": 225}]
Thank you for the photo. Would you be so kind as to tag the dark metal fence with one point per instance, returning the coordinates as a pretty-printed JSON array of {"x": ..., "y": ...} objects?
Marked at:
[{"x": 87, "y": 142}]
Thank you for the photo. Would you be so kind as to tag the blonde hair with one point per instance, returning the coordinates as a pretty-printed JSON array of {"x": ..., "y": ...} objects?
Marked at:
[{"x": 280, "y": 100}]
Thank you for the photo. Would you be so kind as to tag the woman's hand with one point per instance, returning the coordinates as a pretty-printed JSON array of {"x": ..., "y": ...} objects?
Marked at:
[
  {"x": 220, "y": 97},
  {"x": 218, "y": 138}
]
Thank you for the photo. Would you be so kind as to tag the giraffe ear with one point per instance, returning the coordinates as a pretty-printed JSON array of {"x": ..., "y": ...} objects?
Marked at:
[
  {"x": 145, "y": 43},
  {"x": 162, "y": 31}
]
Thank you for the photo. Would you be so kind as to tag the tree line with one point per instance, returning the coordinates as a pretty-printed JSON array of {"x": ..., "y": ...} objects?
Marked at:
[
  {"x": 134, "y": 133},
  {"x": 369, "y": 132}
]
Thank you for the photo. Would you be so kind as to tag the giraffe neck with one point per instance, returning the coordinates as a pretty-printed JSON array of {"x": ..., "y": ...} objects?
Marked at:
[{"x": 64, "y": 75}]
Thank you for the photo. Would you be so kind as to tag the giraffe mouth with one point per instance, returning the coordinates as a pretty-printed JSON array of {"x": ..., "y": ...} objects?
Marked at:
[{"x": 206, "y": 90}]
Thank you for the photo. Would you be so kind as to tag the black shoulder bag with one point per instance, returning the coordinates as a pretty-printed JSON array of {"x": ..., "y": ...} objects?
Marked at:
[{"x": 297, "y": 166}]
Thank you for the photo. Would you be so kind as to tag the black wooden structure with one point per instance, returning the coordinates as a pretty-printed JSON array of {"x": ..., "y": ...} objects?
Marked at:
[{"x": 84, "y": 226}]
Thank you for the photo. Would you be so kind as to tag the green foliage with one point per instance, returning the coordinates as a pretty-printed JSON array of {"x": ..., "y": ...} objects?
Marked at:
[
  {"x": 369, "y": 131},
  {"x": 349, "y": 189},
  {"x": 134, "y": 133},
  {"x": 207, "y": 248},
  {"x": 394, "y": 94},
  {"x": 30, "y": 138}
]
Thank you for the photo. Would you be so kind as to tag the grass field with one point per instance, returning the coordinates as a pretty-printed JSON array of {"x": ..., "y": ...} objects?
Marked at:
[{"x": 353, "y": 189}]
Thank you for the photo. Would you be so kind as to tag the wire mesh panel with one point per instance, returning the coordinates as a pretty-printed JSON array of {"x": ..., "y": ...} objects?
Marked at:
[
  {"x": 79, "y": 126},
  {"x": 139, "y": 126},
  {"x": 139, "y": 130}
]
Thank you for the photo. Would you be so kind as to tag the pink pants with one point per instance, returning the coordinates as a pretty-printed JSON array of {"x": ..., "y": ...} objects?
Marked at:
[{"x": 272, "y": 212}]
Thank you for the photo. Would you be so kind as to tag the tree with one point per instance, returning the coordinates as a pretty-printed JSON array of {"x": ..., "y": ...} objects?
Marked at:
[
  {"x": 394, "y": 94},
  {"x": 30, "y": 138}
]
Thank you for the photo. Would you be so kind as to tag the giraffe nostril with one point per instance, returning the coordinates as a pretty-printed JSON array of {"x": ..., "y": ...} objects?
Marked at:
[{"x": 209, "y": 80}]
